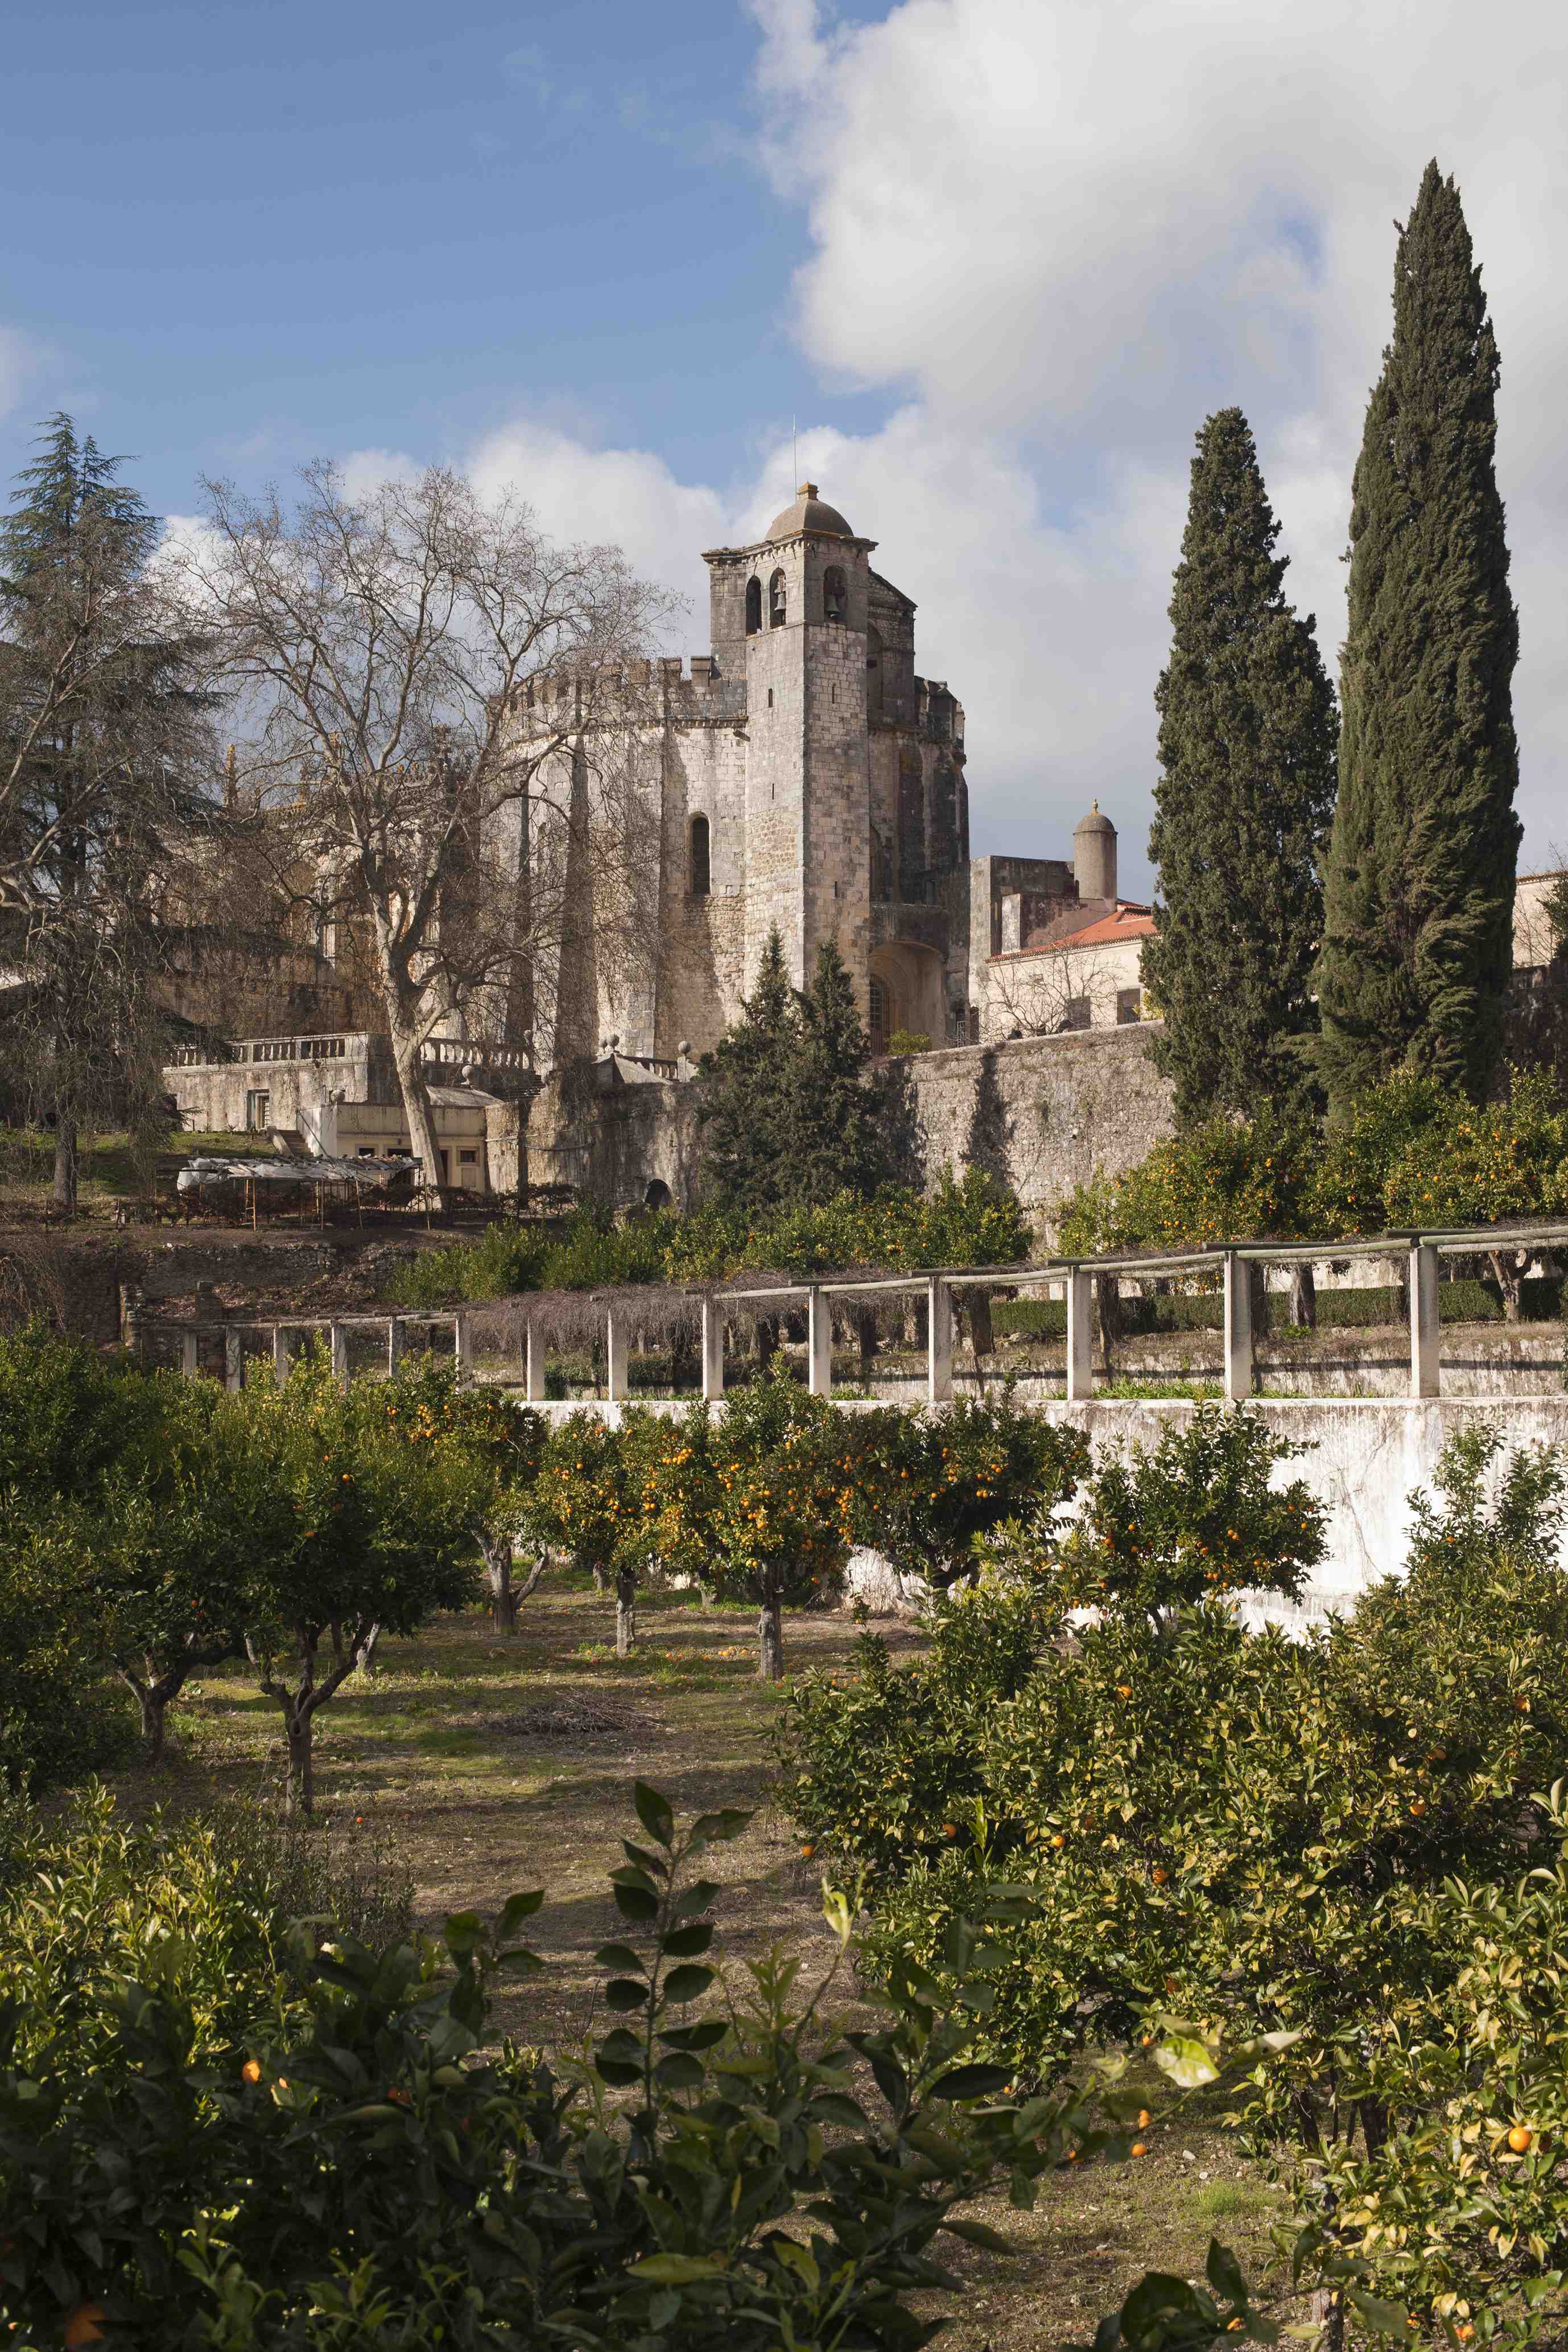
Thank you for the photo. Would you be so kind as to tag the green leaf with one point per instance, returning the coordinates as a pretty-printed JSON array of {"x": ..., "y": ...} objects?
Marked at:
[
  {"x": 1224, "y": 2273},
  {"x": 680, "y": 2072},
  {"x": 618, "y": 1955},
  {"x": 978, "y": 2082},
  {"x": 686, "y": 1942},
  {"x": 980, "y": 2233},
  {"x": 624, "y": 1993},
  {"x": 634, "y": 1903},
  {"x": 619, "y": 2073},
  {"x": 655, "y": 1814},
  {"x": 713, "y": 1829},
  {"x": 517, "y": 1908},
  {"x": 1186, "y": 2061},
  {"x": 686, "y": 1983},
  {"x": 677, "y": 2270},
  {"x": 706, "y": 2036},
  {"x": 1388, "y": 2318}
]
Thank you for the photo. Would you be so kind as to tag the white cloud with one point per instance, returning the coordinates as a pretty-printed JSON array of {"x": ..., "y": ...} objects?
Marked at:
[
  {"x": 1056, "y": 234},
  {"x": 1070, "y": 228}
]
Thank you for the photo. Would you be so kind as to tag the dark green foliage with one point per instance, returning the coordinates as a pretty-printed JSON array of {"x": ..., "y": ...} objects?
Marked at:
[
  {"x": 1420, "y": 873},
  {"x": 343, "y": 2168},
  {"x": 102, "y": 746},
  {"x": 839, "y": 1144},
  {"x": 930, "y": 1488},
  {"x": 1247, "y": 739},
  {"x": 788, "y": 1116},
  {"x": 748, "y": 1107},
  {"x": 1196, "y": 1516}
]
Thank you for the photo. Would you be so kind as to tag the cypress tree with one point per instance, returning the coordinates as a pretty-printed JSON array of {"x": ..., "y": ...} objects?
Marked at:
[
  {"x": 1420, "y": 873},
  {"x": 750, "y": 1092},
  {"x": 840, "y": 1146},
  {"x": 1247, "y": 745}
]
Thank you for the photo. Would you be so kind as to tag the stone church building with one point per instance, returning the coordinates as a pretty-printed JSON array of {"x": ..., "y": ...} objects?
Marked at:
[{"x": 801, "y": 775}]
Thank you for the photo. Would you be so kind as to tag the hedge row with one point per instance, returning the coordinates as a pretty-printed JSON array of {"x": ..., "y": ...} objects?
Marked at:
[{"x": 1462, "y": 1301}]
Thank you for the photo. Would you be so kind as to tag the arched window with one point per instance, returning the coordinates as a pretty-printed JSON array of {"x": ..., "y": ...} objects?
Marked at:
[
  {"x": 699, "y": 861},
  {"x": 754, "y": 606},
  {"x": 777, "y": 603},
  {"x": 834, "y": 594}
]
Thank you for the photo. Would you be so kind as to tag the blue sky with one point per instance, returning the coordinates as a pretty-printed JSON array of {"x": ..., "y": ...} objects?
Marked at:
[
  {"x": 242, "y": 234},
  {"x": 999, "y": 257}
]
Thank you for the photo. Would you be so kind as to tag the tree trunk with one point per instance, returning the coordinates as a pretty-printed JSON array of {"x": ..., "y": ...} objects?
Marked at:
[
  {"x": 601, "y": 1581},
  {"x": 865, "y": 1332},
  {"x": 1507, "y": 1268},
  {"x": 768, "y": 1341},
  {"x": 64, "y": 1194},
  {"x": 1108, "y": 1303},
  {"x": 497, "y": 1552},
  {"x": 1303, "y": 1294},
  {"x": 769, "y": 1640},
  {"x": 367, "y": 1656},
  {"x": 626, "y": 1612},
  {"x": 417, "y": 1109},
  {"x": 299, "y": 1789}
]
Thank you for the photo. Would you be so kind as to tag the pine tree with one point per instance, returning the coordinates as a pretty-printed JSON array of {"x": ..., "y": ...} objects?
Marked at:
[
  {"x": 749, "y": 1096},
  {"x": 1246, "y": 743},
  {"x": 1420, "y": 873},
  {"x": 102, "y": 727},
  {"x": 840, "y": 1142}
]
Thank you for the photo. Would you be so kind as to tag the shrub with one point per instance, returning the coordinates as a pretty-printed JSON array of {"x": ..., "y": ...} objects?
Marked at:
[
  {"x": 365, "y": 2176},
  {"x": 783, "y": 1504},
  {"x": 505, "y": 1259},
  {"x": 60, "y": 1714},
  {"x": 199, "y": 1907},
  {"x": 1259, "y": 1827},
  {"x": 927, "y": 1490}
]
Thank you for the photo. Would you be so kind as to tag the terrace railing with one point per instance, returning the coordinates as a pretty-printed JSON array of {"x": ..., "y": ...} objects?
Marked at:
[{"x": 1232, "y": 1262}]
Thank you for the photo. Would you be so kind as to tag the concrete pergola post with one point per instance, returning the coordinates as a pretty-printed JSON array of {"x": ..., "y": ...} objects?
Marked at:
[
  {"x": 1424, "y": 1375},
  {"x": 395, "y": 1335},
  {"x": 819, "y": 1343},
  {"x": 190, "y": 1353},
  {"x": 337, "y": 1340},
  {"x": 462, "y": 1348},
  {"x": 712, "y": 1351},
  {"x": 617, "y": 1386},
  {"x": 1080, "y": 1336},
  {"x": 939, "y": 1341},
  {"x": 280, "y": 1354},
  {"x": 533, "y": 1364},
  {"x": 234, "y": 1362},
  {"x": 1237, "y": 1328}
]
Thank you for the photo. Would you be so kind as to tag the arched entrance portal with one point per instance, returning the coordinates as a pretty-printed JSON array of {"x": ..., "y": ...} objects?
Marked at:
[{"x": 905, "y": 992}]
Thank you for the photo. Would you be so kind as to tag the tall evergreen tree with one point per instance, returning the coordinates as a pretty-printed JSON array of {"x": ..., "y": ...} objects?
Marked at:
[
  {"x": 750, "y": 1091},
  {"x": 1420, "y": 873},
  {"x": 103, "y": 739},
  {"x": 1246, "y": 743},
  {"x": 841, "y": 1143}
]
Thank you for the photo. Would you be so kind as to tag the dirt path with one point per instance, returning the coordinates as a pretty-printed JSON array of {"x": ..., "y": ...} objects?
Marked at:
[{"x": 489, "y": 1766}]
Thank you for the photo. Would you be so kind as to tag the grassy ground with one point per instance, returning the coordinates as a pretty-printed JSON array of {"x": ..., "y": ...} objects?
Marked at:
[
  {"x": 107, "y": 1169},
  {"x": 490, "y": 1765}
]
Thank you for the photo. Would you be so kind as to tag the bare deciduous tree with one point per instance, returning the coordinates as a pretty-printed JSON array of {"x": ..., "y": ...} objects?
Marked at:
[{"x": 381, "y": 649}]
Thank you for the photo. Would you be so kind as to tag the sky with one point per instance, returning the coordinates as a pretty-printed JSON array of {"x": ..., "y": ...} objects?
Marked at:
[{"x": 995, "y": 260}]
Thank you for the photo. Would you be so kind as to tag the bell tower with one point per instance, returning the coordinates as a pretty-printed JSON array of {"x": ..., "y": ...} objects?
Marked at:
[{"x": 795, "y": 601}]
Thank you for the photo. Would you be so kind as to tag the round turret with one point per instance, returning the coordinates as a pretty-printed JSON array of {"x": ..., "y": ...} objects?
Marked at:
[
  {"x": 809, "y": 513},
  {"x": 1094, "y": 855}
]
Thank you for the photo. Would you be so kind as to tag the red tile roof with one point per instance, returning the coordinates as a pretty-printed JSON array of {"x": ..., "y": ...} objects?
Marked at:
[{"x": 1129, "y": 921}]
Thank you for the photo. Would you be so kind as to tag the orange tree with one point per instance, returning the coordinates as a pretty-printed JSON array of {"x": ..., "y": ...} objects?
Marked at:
[
  {"x": 1196, "y": 1517},
  {"x": 577, "y": 1504},
  {"x": 504, "y": 1443},
  {"x": 929, "y": 1489},
  {"x": 345, "y": 2150},
  {"x": 381, "y": 1515},
  {"x": 783, "y": 1504}
]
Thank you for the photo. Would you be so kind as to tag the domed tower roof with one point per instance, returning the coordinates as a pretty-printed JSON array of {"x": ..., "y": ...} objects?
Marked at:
[
  {"x": 1093, "y": 822},
  {"x": 808, "y": 513}
]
